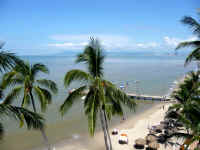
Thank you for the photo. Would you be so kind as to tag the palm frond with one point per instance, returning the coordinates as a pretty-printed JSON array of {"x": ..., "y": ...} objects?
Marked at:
[
  {"x": 14, "y": 94},
  {"x": 194, "y": 55},
  {"x": 74, "y": 75},
  {"x": 119, "y": 95},
  {"x": 73, "y": 96},
  {"x": 48, "y": 84},
  {"x": 26, "y": 99},
  {"x": 41, "y": 96},
  {"x": 7, "y": 79},
  {"x": 193, "y": 44},
  {"x": 93, "y": 56},
  {"x": 22, "y": 68},
  {"x": 1, "y": 130},
  {"x": 47, "y": 95},
  {"x": 7, "y": 60},
  {"x": 32, "y": 120},
  {"x": 92, "y": 114},
  {"x": 193, "y": 24},
  {"x": 36, "y": 68}
]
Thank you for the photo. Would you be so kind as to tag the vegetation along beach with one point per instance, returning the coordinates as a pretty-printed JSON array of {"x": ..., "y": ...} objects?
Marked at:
[{"x": 97, "y": 75}]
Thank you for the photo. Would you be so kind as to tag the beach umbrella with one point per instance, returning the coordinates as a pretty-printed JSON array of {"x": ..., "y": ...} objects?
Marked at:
[
  {"x": 139, "y": 143},
  {"x": 150, "y": 138},
  {"x": 114, "y": 132},
  {"x": 123, "y": 134},
  {"x": 162, "y": 138},
  {"x": 165, "y": 122},
  {"x": 159, "y": 128},
  {"x": 123, "y": 140},
  {"x": 153, "y": 145},
  {"x": 152, "y": 132}
]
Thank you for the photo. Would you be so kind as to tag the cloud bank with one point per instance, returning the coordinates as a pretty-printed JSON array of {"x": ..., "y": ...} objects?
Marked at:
[{"x": 113, "y": 42}]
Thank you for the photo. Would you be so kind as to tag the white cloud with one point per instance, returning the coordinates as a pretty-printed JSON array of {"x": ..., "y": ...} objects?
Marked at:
[
  {"x": 173, "y": 42},
  {"x": 113, "y": 42},
  {"x": 148, "y": 45},
  {"x": 109, "y": 42},
  {"x": 69, "y": 45}
]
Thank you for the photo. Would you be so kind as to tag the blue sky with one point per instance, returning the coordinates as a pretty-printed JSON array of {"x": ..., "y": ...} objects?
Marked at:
[{"x": 49, "y": 26}]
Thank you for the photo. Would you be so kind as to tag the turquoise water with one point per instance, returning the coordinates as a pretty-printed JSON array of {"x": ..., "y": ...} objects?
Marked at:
[{"x": 155, "y": 75}]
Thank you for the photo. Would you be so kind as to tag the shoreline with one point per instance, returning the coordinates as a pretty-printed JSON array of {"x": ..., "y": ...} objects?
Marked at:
[{"x": 136, "y": 127}]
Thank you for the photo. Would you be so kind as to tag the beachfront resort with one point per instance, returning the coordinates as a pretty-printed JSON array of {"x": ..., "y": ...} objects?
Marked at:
[{"x": 98, "y": 91}]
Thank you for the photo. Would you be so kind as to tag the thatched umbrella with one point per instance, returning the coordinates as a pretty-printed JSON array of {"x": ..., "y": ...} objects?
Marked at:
[
  {"x": 153, "y": 132},
  {"x": 159, "y": 128},
  {"x": 163, "y": 122},
  {"x": 162, "y": 138},
  {"x": 153, "y": 145},
  {"x": 150, "y": 138},
  {"x": 139, "y": 143}
]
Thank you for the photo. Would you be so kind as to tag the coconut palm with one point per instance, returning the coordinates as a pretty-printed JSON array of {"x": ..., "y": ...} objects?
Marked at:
[
  {"x": 102, "y": 97},
  {"x": 195, "y": 26},
  {"x": 187, "y": 109},
  {"x": 23, "y": 79},
  {"x": 7, "y": 59},
  {"x": 31, "y": 119}
]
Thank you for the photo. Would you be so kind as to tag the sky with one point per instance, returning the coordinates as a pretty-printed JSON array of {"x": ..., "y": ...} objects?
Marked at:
[{"x": 43, "y": 27}]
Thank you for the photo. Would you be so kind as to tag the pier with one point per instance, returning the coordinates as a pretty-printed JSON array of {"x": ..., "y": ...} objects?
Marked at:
[{"x": 148, "y": 97}]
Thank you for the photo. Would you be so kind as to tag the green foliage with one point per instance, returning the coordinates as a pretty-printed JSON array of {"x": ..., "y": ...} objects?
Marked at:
[
  {"x": 31, "y": 119},
  {"x": 75, "y": 75},
  {"x": 7, "y": 59},
  {"x": 100, "y": 95},
  {"x": 187, "y": 109},
  {"x": 195, "y": 26},
  {"x": 73, "y": 96},
  {"x": 24, "y": 76}
]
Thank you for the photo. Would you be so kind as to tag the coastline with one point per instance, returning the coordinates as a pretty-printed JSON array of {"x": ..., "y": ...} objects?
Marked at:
[{"x": 135, "y": 127}]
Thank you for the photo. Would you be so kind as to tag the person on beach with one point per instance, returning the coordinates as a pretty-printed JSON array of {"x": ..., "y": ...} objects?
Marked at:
[{"x": 123, "y": 119}]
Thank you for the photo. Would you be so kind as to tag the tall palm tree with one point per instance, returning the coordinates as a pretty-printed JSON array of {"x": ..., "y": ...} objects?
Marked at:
[
  {"x": 32, "y": 120},
  {"x": 7, "y": 59},
  {"x": 195, "y": 26},
  {"x": 23, "y": 79},
  {"x": 102, "y": 97}
]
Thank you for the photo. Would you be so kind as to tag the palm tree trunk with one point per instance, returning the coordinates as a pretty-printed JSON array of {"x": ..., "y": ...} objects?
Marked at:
[
  {"x": 104, "y": 130},
  {"x": 42, "y": 130},
  {"x": 107, "y": 129}
]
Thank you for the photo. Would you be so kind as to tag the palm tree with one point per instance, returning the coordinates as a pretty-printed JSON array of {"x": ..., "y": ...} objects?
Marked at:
[
  {"x": 31, "y": 119},
  {"x": 102, "y": 97},
  {"x": 23, "y": 79},
  {"x": 187, "y": 109},
  {"x": 195, "y": 26},
  {"x": 7, "y": 59}
]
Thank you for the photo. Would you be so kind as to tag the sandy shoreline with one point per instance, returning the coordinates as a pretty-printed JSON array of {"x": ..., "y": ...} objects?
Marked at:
[
  {"x": 136, "y": 127},
  {"x": 140, "y": 127}
]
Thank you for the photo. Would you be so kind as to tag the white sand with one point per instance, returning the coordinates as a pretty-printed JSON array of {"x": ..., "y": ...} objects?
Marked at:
[
  {"x": 136, "y": 127},
  {"x": 140, "y": 128}
]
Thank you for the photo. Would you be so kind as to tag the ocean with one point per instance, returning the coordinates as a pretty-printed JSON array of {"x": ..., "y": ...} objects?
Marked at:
[{"x": 138, "y": 73}]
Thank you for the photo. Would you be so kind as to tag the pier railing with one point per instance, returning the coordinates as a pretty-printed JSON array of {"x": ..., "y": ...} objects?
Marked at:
[{"x": 148, "y": 97}]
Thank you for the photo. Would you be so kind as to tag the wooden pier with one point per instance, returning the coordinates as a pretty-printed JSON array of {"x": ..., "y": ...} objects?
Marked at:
[{"x": 148, "y": 97}]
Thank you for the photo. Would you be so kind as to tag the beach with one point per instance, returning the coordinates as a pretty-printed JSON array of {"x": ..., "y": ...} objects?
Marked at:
[{"x": 136, "y": 127}]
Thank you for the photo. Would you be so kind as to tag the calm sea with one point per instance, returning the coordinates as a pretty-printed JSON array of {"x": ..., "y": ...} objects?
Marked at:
[{"x": 138, "y": 73}]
